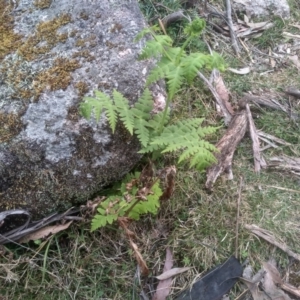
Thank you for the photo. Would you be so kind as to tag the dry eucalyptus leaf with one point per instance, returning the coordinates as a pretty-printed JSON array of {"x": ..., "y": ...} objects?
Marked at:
[
  {"x": 295, "y": 60},
  {"x": 295, "y": 25},
  {"x": 139, "y": 258},
  {"x": 295, "y": 36},
  {"x": 164, "y": 286},
  {"x": 272, "y": 270},
  {"x": 44, "y": 232},
  {"x": 242, "y": 71},
  {"x": 172, "y": 272}
]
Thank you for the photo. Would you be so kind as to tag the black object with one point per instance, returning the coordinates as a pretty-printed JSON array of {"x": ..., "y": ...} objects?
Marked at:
[{"x": 216, "y": 283}]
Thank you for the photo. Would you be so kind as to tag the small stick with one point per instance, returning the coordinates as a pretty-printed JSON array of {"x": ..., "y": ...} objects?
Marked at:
[
  {"x": 238, "y": 219},
  {"x": 232, "y": 33},
  {"x": 268, "y": 236},
  {"x": 227, "y": 114},
  {"x": 255, "y": 141}
]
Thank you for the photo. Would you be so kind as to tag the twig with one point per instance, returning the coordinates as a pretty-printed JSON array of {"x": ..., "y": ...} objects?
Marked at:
[
  {"x": 255, "y": 142},
  {"x": 268, "y": 236},
  {"x": 227, "y": 115},
  {"x": 273, "y": 138},
  {"x": 238, "y": 219},
  {"x": 282, "y": 188},
  {"x": 290, "y": 289},
  {"x": 232, "y": 33}
]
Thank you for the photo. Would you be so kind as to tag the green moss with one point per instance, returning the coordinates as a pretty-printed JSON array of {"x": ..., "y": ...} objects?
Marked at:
[
  {"x": 9, "y": 41},
  {"x": 85, "y": 54},
  {"x": 47, "y": 35},
  {"x": 82, "y": 88},
  {"x": 10, "y": 126},
  {"x": 42, "y": 4}
]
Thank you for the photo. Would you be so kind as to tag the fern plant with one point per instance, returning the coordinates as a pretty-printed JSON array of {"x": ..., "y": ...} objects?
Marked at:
[
  {"x": 154, "y": 132},
  {"x": 132, "y": 200},
  {"x": 174, "y": 64}
]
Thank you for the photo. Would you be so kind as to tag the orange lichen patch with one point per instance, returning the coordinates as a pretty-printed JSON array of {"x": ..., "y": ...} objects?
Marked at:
[
  {"x": 82, "y": 88},
  {"x": 9, "y": 41},
  {"x": 45, "y": 38},
  {"x": 10, "y": 126},
  {"x": 42, "y": 4}
]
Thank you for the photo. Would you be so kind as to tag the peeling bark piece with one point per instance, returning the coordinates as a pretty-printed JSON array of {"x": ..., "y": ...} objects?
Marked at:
[
  {"x": 285, "y": 163},
  {"x": 225, "y": 106},
  {"x": 293, "y": 92},
  {"x": 227, "y": 146},
  {"x": 270, "y": 102}
]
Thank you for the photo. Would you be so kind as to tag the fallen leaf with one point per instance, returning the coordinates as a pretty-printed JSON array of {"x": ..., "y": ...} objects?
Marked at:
[
  {"x": 242, "y": 71},
  {"x": 271, "y": 280},
  {"x": 172, "y": 272},
  {"x": 139, "y": 258},
  {"x": 44, "y": 232},
  {"x": 253, "y": 289},
  {"x": 295, "y": 60},
  {"x": 272, "y": 270},
  {"x": 259, "y": 25},
  {"x": 296, "y": 26},
  {"x": 295, "y": 36},
  {"x": 164, "y": 286}
]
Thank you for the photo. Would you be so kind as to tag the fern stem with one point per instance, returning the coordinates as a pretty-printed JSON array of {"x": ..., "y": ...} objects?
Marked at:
[
  {"x": 132, "y": 206},
  {"x": 182, "y": 49}
]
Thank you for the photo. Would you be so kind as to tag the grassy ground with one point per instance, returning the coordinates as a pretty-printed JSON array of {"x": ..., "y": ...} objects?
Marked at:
[{"x": 199, "y": 227}]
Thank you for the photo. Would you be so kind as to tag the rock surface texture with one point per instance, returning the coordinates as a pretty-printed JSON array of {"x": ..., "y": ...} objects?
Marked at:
[
  {"x": 261, "y": 8},
  {"x": 52, "y": 53}
]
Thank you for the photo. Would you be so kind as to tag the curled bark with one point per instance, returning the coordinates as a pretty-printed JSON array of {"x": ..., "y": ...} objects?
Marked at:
[{"x": 227, "y": 146}]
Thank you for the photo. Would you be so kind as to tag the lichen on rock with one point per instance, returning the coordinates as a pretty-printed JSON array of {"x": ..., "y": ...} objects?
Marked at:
[{"x": 52, "y": 53}]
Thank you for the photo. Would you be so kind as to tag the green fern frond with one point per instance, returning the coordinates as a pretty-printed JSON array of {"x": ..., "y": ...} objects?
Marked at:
[
  {"x": 151, "y": 205},
  {"x": 207, "y": 130},
  {"x": 202, "y": 160},
  {"x": 156, "y": 74},
  {"x": 159, "y": 118},
  {"x": 192, "y": 64},
  {"x": 186, "y": 137},
  {"x": 150, "y": 148},
  {"x": 124, "y": 111},
  {"x": 215, "y": 61},
  {"x": 104, "y": 102},
  {"x": 156, "y": 47},
  {"x": 143, "y": 106},
  {"x": 97, "y": 104},
  {"x": 87, "y": 107},
  {"x": 175, "y": 78},
  {"x": 141, "y": 130},
  {"x": 149, "y": 30}
]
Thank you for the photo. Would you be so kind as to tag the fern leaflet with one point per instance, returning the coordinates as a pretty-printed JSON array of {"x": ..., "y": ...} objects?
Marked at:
[{"x": 124, "y": 112}]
